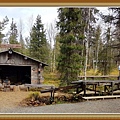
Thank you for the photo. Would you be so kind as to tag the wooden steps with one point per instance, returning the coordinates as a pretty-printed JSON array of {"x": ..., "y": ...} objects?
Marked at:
[{"x": 102, "y": 97}]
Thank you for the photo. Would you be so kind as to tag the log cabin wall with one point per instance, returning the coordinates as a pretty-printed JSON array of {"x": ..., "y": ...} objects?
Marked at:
[{"x": 21, "y": 62}]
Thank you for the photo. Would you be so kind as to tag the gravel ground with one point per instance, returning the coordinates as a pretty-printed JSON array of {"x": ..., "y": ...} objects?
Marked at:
[{"x": 10, "y": 100}]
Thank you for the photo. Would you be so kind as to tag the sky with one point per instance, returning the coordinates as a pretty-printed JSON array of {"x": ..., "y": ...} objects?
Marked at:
[
  {"x": 47, "y": 13},
  {"x": 28, "y": 15}
]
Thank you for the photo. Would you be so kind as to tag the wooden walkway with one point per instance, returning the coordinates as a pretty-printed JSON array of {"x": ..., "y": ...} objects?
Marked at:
[{"x": 102, "y": 97}]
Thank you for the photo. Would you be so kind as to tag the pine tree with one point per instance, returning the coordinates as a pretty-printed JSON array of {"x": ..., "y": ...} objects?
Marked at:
[
  {"x": 39, "y": 47},
  {"x": 57, "y": 49},
  {"x": 3, "y": 23},
  {"x": 13, "y": 33},
  {"x": 116, "y": 21},
  {"x": 71, "y": 36},
  {"x": 116, "y": 34},
  {"x": 106, "y": 54}
]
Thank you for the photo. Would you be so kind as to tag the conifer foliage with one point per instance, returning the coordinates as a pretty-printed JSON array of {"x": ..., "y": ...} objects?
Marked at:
[
  {"x": 3, "y": 24},
  {"x": 71, "y": 37},
  {"x": 39, "y": 47},
  {"x": 13, "y": 33}
]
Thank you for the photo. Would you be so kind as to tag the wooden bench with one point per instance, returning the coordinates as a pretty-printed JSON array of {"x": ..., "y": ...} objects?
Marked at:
[
  {"x": 43, "y": 86},
  {"x": 52, "y": 91}
]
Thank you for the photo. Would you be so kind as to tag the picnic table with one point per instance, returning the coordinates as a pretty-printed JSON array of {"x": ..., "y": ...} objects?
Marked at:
[{"x": 107, "y": 84}]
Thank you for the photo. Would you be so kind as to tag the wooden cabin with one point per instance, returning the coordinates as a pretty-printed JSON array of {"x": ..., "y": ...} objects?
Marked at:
[{"x": 20, "y": 69}]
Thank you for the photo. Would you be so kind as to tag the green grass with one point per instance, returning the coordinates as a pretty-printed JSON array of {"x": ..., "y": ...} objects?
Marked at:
[
  {"x": 51, "y": 78},
  {"x": 92, "y": 72},
  {"x": 114, "y": 72},
  {"x": 34, "y": 95}
]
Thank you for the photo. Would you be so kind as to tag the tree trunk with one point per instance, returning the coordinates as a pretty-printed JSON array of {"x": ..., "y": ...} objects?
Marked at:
[{"x": 86, "y": 45}]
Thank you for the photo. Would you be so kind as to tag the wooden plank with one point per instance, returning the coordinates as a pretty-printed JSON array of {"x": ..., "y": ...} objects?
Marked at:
[
  {"x": 66, "y": 87},
  {"x": 10, "y": 45},
  {"x": 77, "y": 82},
  {"x": 105, "y": 76},
  {"x": 39, "y": 86},
  {"x": 46, "y": 90},
  {"x": 101, "y": 97},
  {"x": 95, "y": 81}
]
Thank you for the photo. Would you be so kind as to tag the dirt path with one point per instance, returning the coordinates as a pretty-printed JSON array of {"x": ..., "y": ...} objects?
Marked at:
[{"x": 9, "y": 100}]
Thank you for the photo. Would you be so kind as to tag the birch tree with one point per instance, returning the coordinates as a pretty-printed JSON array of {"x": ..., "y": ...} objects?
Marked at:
[{"x": 52, "y": 32}]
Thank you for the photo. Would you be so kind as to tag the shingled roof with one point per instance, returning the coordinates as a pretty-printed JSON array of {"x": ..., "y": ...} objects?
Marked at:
[{"x": 44, "y": 64}]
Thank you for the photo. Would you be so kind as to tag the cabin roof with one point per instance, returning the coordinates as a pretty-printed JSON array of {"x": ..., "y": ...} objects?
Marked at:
[{"x": 24, "y": 56}]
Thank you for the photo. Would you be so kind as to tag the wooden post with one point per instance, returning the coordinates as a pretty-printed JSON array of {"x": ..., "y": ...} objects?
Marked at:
[
  {"x": 118, "y": 86},
  {"x": 52, "y": 95},
  {"x": 84, "y": 88},
  {"x": 95, "y": 88},
  {"x": 77, "y": 90},
  {"x": 105, "y": 88},
  {"x": 112, "y": 87}
]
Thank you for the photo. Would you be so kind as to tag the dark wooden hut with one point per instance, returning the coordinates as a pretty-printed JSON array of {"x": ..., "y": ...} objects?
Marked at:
[{"x": 19, "y": 68}]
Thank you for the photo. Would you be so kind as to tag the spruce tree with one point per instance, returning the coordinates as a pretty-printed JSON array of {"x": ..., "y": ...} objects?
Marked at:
[
  {"x": 13, "y": 33},
  {"x": 39, "y": 47},
  {"x": 116, "y": 35},
  {"x": 3, "y": 23},
  {"x": 106, "y": 54},
  {"x": 116, "y": 21},
  {"x": 71, "y": 34}
]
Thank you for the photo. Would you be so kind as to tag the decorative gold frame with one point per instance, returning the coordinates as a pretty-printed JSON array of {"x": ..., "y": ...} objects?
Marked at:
[{"x": 29, "y": 3}]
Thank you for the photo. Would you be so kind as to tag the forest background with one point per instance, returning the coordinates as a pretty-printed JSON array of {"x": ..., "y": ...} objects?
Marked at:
[{"x": 82, "y": 41}]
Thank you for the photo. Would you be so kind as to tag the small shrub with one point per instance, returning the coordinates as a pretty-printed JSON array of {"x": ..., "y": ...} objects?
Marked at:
[
  {"x": 35, "y": 89},
  {"x": 34, "y": 96}
]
